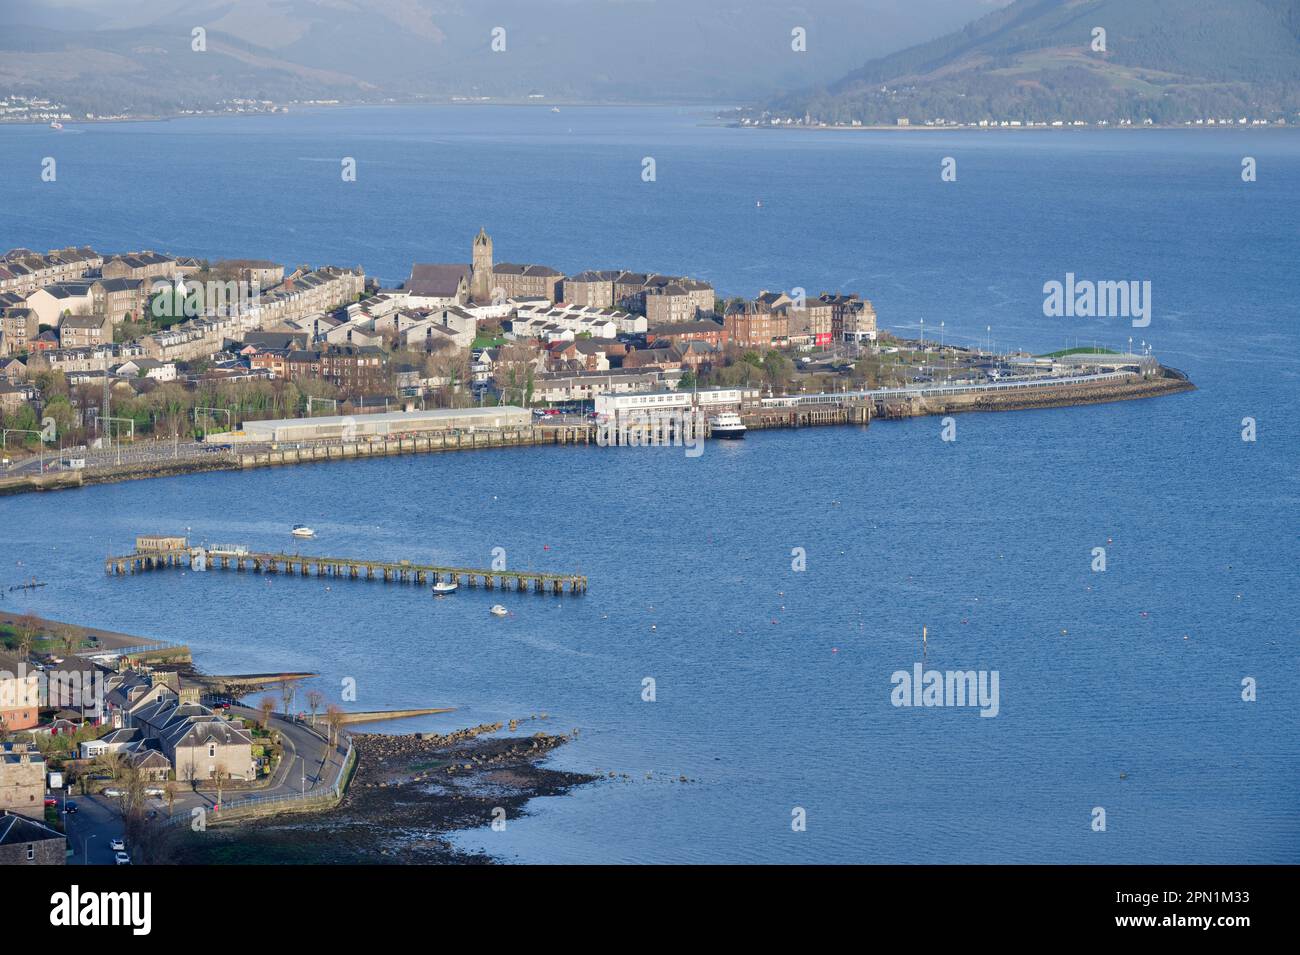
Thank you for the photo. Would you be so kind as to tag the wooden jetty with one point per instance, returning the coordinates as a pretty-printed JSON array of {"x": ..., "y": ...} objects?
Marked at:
[{"x": 349, "y": 568}]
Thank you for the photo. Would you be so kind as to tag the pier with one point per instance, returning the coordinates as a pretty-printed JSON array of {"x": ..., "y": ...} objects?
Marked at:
[{"x": 179, "y": 554}]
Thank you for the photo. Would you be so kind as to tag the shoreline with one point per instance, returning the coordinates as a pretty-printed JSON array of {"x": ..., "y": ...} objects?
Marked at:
[
  {"x": 1170, "y": 382},
  {"x": 406, "y": 794}
]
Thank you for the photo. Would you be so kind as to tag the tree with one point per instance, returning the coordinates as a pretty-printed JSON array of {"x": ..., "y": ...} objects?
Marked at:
[
  {"x": 26, "y": 628},
  {"x": 68, "y": 639},
  {"x": 266, "y": 706},
  {"x": 288, "y": 690},
  {"x": 314, "y": 700},
  {"x": 334, "y": 720},
  {"x": 218, "y": 775}
]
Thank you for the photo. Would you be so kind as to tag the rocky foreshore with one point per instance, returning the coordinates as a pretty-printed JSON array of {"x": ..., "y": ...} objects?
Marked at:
[{"x": 408, "y": 791}]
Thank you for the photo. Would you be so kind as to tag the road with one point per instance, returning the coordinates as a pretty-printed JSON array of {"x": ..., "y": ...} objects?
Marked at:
[
  {"x": 139, "y": 453},
  {"x": 98, "y": 819}
]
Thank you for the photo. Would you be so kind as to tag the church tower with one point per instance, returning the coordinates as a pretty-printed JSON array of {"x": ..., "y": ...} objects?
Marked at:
[{"x": 480, "y": 282}]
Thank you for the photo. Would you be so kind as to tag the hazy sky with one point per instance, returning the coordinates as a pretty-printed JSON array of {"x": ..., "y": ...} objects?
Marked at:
[{"x": 638, "y": 48}]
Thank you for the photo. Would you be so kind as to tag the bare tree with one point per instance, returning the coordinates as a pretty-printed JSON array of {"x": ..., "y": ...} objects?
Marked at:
[
  {"x": 314, "y": 700},
  {"x": 266, "y": 706},
  {"x": 26, "y": 629},
  {"x": 288, "y": 690},
  {"x": 334, "y": 720},
  {"x": 68, "y": 639},
  {"x": 218, "y": 775}
]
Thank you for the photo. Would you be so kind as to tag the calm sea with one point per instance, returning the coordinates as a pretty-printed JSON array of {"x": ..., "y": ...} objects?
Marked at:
[{"x": 1120, "y": 690}]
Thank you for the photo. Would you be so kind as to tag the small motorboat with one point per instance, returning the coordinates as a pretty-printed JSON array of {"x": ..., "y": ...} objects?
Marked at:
[
  {"x": 56, "y": 125},
  {"x": 302, "y": 530},
  {"x": 498, "y": 611},
  {"x": 444, "y": 587}
]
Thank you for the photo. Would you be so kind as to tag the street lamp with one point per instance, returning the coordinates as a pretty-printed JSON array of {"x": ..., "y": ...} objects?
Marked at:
[
  {"x": 4, "y": 440},
  {"x": 85, "y": 848}
]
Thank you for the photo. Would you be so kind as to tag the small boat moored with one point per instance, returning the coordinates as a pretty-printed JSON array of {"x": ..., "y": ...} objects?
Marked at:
[
  {"x": 302, "y": 530},
  {"x": 444, "y": 587},
  {"x": 726, "y": 424},
  {"x": 498, "y": 611}
]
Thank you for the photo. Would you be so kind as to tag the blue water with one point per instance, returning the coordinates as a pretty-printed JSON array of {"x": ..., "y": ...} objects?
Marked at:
[{"x": 773, "y": 686}]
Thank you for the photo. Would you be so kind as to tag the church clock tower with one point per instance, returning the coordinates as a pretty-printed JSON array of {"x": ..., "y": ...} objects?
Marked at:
[{"x": 480, "y": 283}]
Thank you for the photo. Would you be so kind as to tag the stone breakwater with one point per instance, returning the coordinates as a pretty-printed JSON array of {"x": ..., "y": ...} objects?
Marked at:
[{"x": 1056, "y": 397}]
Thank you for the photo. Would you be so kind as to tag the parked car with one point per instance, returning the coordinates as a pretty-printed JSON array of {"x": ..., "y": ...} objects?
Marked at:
[
  {"x": 70, "y": 806},
  {"x": 118, "y": 844},
  {"x": 112, "y": 793},
  {"x": 122, "y": 858},
  {"x": 153, "y": 792}
]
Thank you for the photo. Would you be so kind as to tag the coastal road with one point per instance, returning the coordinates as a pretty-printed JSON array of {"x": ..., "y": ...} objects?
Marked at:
[
  {"x": 138, "y": 453},
  {"x": 303, "y": 767}
]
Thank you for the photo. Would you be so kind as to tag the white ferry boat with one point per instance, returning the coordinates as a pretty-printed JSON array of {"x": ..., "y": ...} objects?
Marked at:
[{"x": 727, "y": 424}]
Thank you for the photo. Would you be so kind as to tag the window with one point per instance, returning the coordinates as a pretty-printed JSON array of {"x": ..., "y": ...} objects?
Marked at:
[
  {"x": 212, "y": 751},
  {"x": 31, "y": 852}
]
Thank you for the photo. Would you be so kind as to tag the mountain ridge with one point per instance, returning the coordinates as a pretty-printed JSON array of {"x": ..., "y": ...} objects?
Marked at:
[{"x": 1035, "y": 60}]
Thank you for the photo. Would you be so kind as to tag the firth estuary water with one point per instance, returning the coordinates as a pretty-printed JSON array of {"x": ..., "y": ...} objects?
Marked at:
[{"x": 1119, "y": 689}]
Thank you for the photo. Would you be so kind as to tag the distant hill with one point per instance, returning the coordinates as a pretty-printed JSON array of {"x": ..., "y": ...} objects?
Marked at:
[
  {"x": 1167, "y": 60},
  {"x": 135, "y": 54}
]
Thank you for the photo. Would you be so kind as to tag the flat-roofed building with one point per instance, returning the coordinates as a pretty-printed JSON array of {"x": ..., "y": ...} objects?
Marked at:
[{"x": 390, "y": 424}]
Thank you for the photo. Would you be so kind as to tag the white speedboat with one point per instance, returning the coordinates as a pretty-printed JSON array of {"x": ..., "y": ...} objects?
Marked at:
[
  {"x": 56, "y": 125},
  {"x": 444, "y": 587},
  {"x": 302, "y": 530},
  {"x": 498, "y": 610},
  {"x": 726, "y": 425}
]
